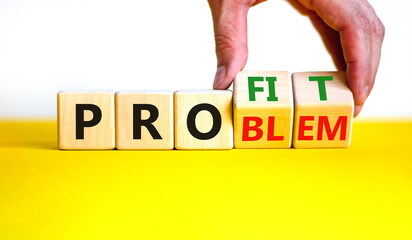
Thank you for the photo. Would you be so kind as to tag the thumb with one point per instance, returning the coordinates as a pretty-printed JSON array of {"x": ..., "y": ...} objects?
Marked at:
[{"x": 230, "y": 27}]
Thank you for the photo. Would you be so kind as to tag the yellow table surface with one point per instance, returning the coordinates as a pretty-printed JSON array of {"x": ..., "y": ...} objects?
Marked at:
[{"x": 363, "y": 192}]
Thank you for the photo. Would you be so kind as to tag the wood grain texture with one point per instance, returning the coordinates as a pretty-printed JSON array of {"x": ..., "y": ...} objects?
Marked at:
[
  {"x": 101, "y": 136},
  {"x": 280, "y": 110},
  {"x": 163, "y": 101},
  {"x": 322, "y": 121},
  {"x": 184, "y": 101}
]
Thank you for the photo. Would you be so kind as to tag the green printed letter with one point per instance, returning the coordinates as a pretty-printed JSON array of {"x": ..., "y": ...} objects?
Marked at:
[
  {"x": 272, "y": 93},
  {"x": 252, "y": 88},
  {"x": 322, "y": 87}
]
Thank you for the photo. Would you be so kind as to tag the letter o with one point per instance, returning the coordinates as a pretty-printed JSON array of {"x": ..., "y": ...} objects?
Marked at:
[{"x": 191, "y": 121}]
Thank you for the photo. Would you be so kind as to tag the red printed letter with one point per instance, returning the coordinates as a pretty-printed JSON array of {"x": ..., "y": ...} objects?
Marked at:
[
  {"x": 247, "y": 128},
  {"x": 324, "y": 121},
  {"x": 303, "y": 127},
  {"x": 271, "y": 130}
]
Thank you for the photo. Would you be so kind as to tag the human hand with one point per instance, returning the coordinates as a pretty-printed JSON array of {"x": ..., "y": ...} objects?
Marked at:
[{"x": 350, "y": 29}]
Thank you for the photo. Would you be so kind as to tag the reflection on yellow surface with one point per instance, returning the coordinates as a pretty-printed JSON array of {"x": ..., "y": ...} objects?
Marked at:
[{"x": 363, "y": 192}]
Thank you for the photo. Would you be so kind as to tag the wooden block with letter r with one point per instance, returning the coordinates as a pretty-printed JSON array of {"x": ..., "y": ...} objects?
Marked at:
[
  {"x": 203, "y": 119},
  {"x": 144, "y": 120},
  {"x": 323, "y": 110},
  {"x": 263, "y": 110},
  {"x": 86, "y": 120}
]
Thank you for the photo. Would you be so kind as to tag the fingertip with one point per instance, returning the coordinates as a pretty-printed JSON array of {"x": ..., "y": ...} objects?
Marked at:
[
  {"x": 223, "y": 78},
  {"x": 358, "y": 82},
  {"x": 357, "y": 110},
  {"x": 219, "y": 76},
  {"x": 222, "y": 86},
  {"x": 360, "y": 91}
]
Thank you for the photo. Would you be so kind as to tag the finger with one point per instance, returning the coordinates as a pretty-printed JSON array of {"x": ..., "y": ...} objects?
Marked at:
[
  {"x": 354, "y": 20},
  {"x": 376, "y": 40},
  {"x": 356, "y": 49},
  {"x": 370, "y": 25},
  {"x": 230, "y": 27}
]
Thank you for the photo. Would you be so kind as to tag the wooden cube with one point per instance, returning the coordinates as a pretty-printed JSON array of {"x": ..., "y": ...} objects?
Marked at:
[
  {"x": 323, "y": 110},
  {"x": 263, "y": 110},
  {"x": 144, "y": 120},
  {"x": 203, "y": 119},
  {"x": 86, "y": 120}
]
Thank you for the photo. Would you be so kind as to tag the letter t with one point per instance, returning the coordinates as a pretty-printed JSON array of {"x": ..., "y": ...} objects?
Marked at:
[{"x": 322, "y": 87}]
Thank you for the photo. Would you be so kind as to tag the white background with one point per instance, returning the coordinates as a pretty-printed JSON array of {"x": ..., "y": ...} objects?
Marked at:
[{"x": 52, "y": 45}]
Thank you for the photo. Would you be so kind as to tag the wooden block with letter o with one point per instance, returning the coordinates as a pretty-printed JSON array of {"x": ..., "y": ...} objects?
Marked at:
[
  {"x": 263, "y": 110},
  {"x": 144, "y": 120},
  {"x": 86, "y": 120},
  {"x": 323, "y": 110},
  {"x": 203, "y": 119}
]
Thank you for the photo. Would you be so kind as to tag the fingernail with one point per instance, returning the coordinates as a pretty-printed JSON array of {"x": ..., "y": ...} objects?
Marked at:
[
  {"x": 365, "y": 93},
  {"x": 220, "y": 76}
]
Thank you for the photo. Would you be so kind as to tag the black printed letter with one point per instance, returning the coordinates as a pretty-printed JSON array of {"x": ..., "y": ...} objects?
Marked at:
[
  {"x": 80, "y": 123},
  {"x": 191, "y": 123},
  {"x": 138, "y": 122}
]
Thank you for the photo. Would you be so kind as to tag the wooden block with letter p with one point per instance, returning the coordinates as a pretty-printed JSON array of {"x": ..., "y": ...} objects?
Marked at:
[
  {"x": 203, "y": 119},
  {"x": 144, "y": 120},
  {"x": 323, "y": 110},
  {"x": 263, "y": 110},
  {"x": 86, "y": 120}
]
